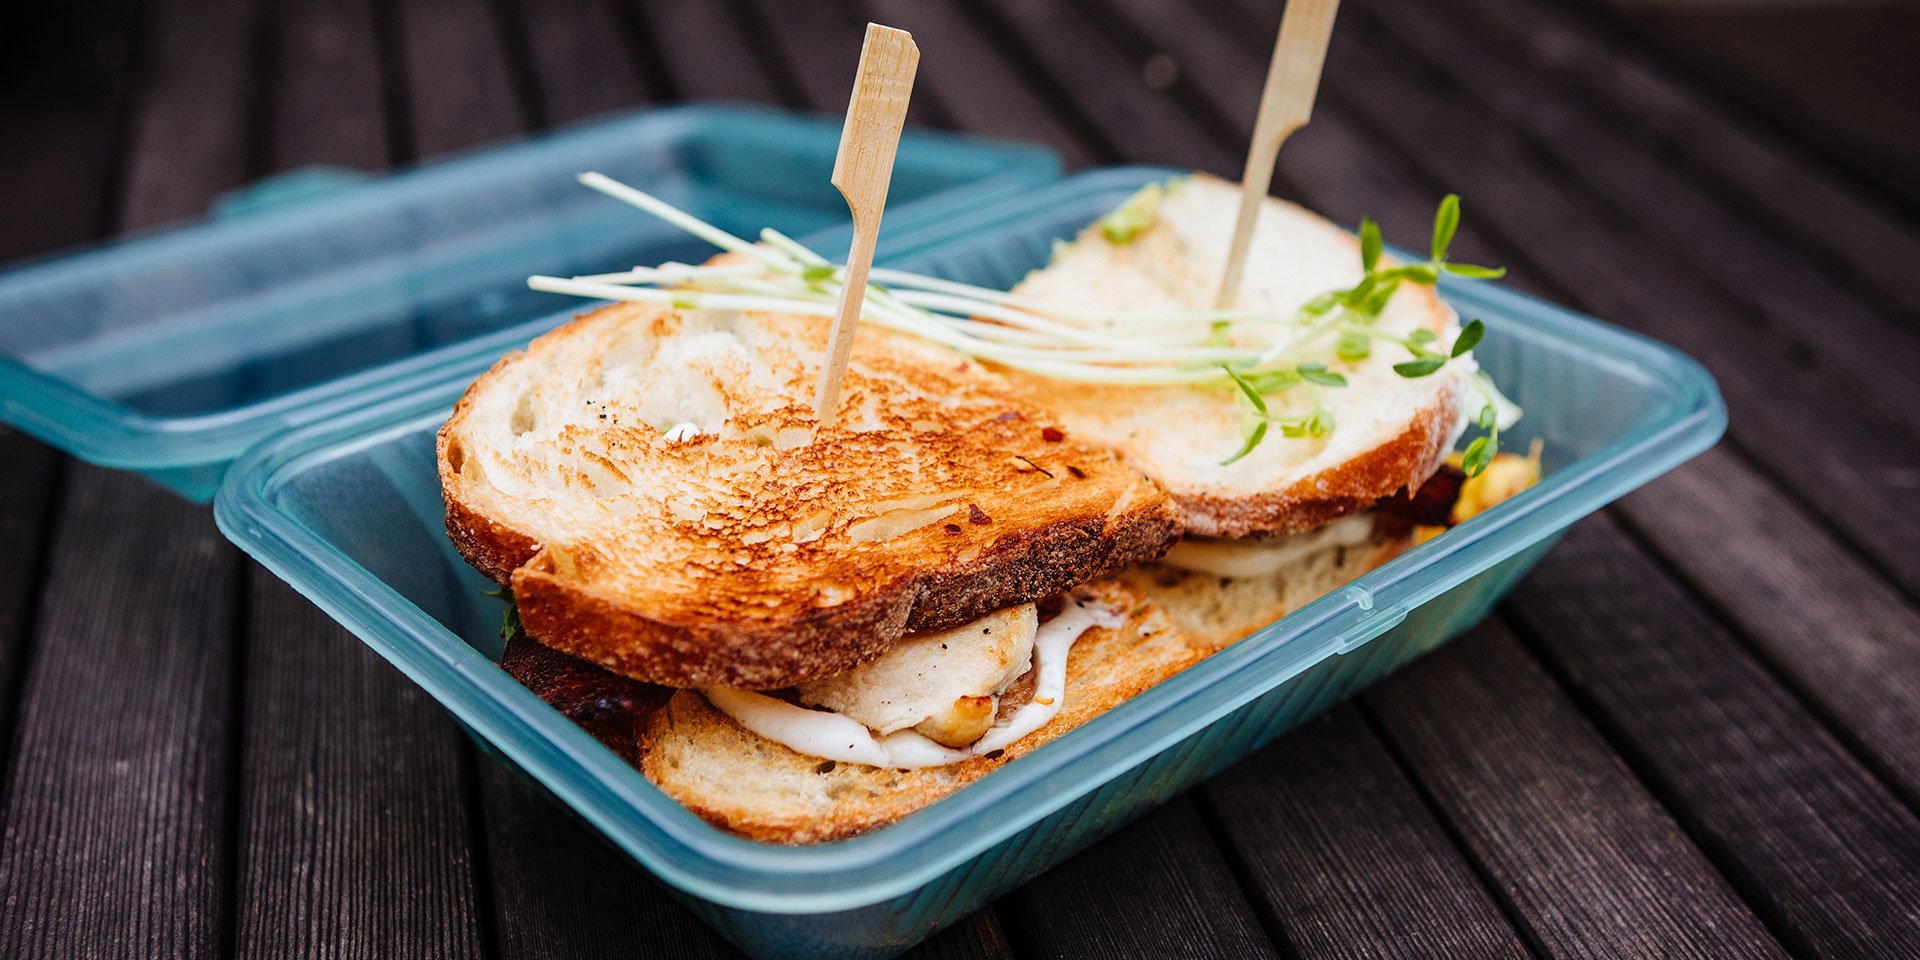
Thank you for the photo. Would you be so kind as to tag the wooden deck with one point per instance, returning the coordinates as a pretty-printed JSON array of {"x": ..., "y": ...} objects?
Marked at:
[{"x": 1695, "y": 731}]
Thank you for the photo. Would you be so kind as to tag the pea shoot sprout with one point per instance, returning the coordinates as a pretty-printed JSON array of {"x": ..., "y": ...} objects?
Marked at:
[{"x": 1253, "y": 354}]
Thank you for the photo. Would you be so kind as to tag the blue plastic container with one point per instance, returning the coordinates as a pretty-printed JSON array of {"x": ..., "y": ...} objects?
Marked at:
[
  {"x": 349, "y": 512},
  {"x": 171, "y": 353}
]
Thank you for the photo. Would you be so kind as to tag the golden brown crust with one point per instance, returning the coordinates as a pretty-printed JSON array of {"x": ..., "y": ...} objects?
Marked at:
[{"x": 493, "y": 548}]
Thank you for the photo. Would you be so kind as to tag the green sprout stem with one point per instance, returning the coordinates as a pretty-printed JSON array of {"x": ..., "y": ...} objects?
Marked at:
[{"x": 1254, "y": 353}]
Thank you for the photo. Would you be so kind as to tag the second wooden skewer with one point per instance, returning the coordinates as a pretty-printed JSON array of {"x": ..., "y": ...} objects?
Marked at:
[{"x": 1286, "y": 104}]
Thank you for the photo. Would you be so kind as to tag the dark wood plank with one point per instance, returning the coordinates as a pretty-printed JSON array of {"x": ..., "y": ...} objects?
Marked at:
[
  {"x": 1106, "y": 79},
  {"x": 704, "y": 52},
  {"x": 64, "y": 109},
  {"x": 328, "y": 105},
  {"x": 1853, "y": 231},
  {"x": 1158, "y": 888},
  {"x": 1585, "y": 859},
  {"x": 561, "y": 891},
  {"x": 979, "y": 88},
  {"x": 191, "y": 135},
  {"x": 582, "y": 65},
  {"x": 1846, "y": 640},
  {"x": 459, "y": 88},
  {"x": 1810, "y": 311},
  {"x": 117, "y": 799},
  {"x": 63, "y": 94},
  {"x": 354, "y": 819},
  {"x": 29, "y": 474},
  {"x": 1823, "y": 850},
  {"x": 1338, "y": 846},
  {"x": 1611, "y": 269},
  {"x": 816, "y": 47},
  {"x": 573, "y": 895}
]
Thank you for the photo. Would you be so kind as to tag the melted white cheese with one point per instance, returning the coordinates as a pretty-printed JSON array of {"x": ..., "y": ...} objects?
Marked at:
[
  {"x": 832, "y": 736},
  {"x": 938, "y": 679},
  {"x": 1264, "y": 558}
]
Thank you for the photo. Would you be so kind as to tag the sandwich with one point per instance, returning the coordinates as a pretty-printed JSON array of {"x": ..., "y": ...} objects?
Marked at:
[{"x": 1034, "y": 505}]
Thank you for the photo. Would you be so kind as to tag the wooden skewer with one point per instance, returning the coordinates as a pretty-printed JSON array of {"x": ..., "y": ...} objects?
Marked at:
[
  {"x": 862, "y": 170},
  {"x": 1293, "y": 78}
]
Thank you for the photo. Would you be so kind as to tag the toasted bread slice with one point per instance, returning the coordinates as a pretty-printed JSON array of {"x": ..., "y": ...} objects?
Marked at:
[
  {"x": 1391, "y": 432},
  {"x": 646, "y": 480},
  {"x": 760, "y": 789}
]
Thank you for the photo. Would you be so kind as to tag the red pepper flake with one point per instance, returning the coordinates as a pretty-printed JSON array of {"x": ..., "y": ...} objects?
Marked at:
[
  {"x": 1008, "y": 417},
  {"x": 953, "y": 529},
  {"x": 977, "y": 515},
  {"x": 1078, "y": 474},
  {"x": 1052, "y": 435}
]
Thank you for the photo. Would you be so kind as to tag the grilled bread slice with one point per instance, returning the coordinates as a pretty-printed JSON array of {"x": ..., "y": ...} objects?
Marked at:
[
  {"x": 1391, "y": 432},
  {"x": 647, "y": 480}
]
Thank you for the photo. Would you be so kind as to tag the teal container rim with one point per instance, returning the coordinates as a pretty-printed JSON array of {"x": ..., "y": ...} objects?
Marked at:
[
  {"x": 110, "y": 434},
  {"x": 892, "y": 862}
]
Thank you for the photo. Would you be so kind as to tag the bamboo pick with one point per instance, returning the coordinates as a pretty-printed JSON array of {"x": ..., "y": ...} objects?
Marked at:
[
  {"x": 862, "y": 170},
  {"x": 1293, "y": 78}
]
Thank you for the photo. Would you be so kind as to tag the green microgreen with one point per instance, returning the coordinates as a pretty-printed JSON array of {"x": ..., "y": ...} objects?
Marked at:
[
  {"x": 1419, "y": 367},
  {"x": 1446, "y": 220},
  {"x": 1352, "y": 346},
  {"x": 1469, "y": 338},
  {"x": 1370, "y": 244},
  {"x": 1317, "y": 373},
  {"x": 510, "y": 618},
  {"x": 1129, "y": 219}
]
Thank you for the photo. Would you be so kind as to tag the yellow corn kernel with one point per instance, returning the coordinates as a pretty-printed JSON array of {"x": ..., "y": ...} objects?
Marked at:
[{"x": 1505, "y": 476}]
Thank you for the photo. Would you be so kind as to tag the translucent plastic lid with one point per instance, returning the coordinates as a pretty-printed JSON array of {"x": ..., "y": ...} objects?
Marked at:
[{"x": 321, "y": 291}]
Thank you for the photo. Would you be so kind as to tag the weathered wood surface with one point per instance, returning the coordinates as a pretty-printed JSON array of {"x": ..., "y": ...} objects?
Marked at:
[{"x": 1691, "y": 732}]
